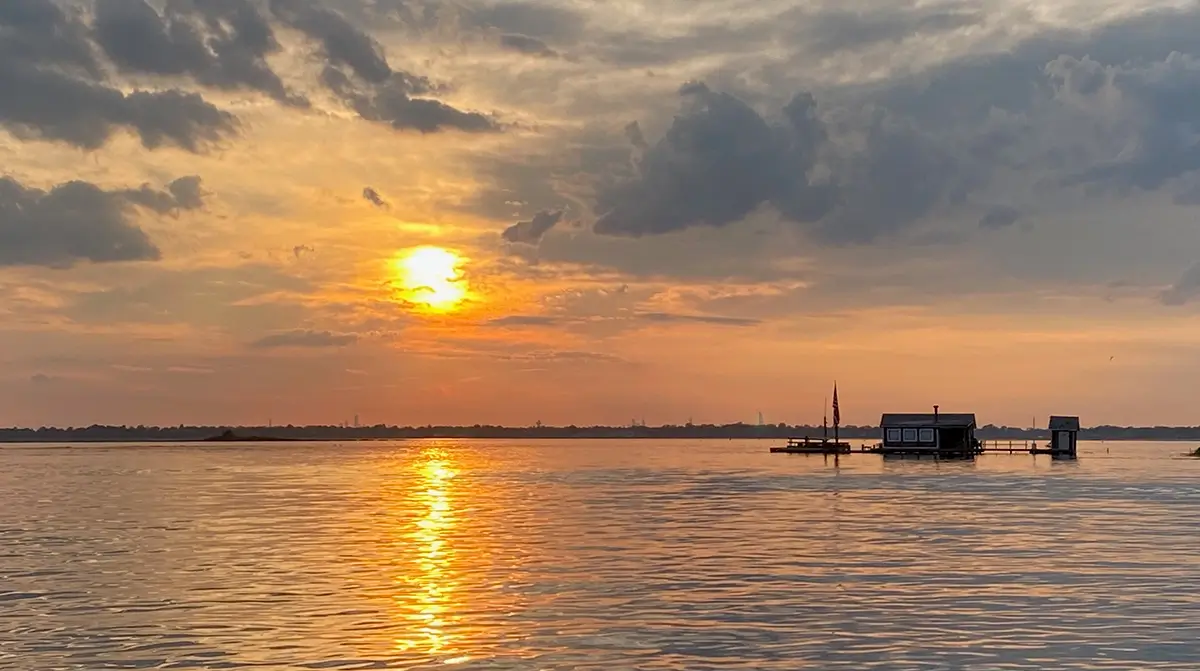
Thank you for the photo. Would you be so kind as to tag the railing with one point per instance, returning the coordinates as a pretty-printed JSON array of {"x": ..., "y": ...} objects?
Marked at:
[{"x": 1009, "y": 446}]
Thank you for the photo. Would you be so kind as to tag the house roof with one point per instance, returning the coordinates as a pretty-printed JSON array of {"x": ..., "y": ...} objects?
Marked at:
[
  {"x": 1063, "y": 423},
  {"x": 964, "y": 419}
]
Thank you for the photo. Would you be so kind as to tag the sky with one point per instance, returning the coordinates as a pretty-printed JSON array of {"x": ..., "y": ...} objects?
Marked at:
[{"x": 571, "y": 211}]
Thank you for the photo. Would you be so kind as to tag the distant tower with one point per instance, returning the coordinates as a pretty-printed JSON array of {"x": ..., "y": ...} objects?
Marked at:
[
  {"x": 760, "y": 418},
  {"x": 356, "y": 420}
]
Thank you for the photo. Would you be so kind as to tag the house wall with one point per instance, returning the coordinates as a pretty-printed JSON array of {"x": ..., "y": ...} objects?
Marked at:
[
  {"x": 1063, "y": 440},
  {"x": 910, "y": 436}
]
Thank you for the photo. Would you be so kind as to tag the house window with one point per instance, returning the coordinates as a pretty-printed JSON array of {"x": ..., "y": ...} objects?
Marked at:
[
  {"x": 927, "y": 436},
  {"x": 893, "y": 435},
  {"x": 910, "y": 435}
]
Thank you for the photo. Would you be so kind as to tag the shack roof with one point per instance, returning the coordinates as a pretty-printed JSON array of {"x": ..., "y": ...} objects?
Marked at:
[
  {"x": 963, "y": 419},
  {"x": 1063, "y": 423}
]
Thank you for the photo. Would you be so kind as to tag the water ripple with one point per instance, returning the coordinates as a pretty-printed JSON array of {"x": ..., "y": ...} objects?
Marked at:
[{"x": 594, "y": 555}]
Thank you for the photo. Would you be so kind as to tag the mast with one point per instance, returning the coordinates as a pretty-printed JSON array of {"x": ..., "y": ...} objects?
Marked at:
[
  {"x": 825, "y": 419},
  {"x": 837, "y": 413}
]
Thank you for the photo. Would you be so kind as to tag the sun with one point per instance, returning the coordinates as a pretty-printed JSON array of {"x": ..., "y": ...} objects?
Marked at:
[{"x": 430, "y": 277}]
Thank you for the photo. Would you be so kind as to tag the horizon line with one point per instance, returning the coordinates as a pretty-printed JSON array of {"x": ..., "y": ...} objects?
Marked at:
[{"x": 538, "y": 426}]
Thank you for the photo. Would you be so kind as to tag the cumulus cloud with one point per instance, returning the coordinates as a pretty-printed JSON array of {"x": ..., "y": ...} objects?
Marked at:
[
  {"x": 305, "y": 338},
  {"x": 53, "y": 89},
  {"x": 1109, "y": 109},
  {"x": 1185, "y": 290},
  {"x": 531, "y": 232},
  {"x": 219, "y": 43},
  {"x": 78, "y": 221},
  {"x": 718, "y": 162},
  {"x": 40, "y": 32},
  {"x": 527, "y": 45},
  {"x": 1162, "y": 99},
  {"x": 56, "y": 106},
  {"x": 357, "y": 71},
  {"x": 721, "y": 160}
]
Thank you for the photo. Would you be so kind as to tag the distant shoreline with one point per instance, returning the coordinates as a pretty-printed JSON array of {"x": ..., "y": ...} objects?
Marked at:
[{"x": 218, "y": 434}]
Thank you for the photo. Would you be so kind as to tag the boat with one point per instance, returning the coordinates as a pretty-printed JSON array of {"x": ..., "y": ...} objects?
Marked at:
[
  {"x": 823, "y": 445},
  {"x": 808, "y": 445}
]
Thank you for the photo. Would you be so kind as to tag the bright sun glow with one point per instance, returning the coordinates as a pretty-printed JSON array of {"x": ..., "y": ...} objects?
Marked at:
[{"x": 430, "y": 277}]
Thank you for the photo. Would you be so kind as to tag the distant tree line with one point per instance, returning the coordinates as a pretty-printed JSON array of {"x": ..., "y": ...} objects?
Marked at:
[{"x": 140, "y": 433}]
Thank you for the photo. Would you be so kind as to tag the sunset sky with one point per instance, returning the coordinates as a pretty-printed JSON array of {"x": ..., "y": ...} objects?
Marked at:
[{"x": 574, "y": 211}]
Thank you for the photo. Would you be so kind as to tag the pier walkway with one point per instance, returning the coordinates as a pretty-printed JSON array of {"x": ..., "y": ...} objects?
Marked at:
[{"x": 994, "y": 446}]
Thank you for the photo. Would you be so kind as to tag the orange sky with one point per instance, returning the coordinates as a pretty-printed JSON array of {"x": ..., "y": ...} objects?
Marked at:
[{"x": 921, "y": 229}]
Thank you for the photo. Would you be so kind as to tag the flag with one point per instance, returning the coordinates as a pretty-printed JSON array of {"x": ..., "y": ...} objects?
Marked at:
[{"x": 837, "y": 413}]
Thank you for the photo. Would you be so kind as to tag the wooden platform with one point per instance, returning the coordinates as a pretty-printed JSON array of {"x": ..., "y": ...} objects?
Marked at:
[{"x": 809, "y": 446}]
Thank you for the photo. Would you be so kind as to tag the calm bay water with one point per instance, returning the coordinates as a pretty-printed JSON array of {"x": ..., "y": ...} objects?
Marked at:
[{"x": 594, "y": 555}]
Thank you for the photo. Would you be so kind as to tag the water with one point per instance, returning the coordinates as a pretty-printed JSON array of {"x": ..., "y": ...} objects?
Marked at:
[{"x": 594, "y": 555}]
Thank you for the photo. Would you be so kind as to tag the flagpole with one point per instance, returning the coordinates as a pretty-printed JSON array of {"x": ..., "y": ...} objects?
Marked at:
[{"x": 837, "y": 413}]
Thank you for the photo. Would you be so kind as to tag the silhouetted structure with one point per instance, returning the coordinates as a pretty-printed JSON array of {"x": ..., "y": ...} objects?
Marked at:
[
  {"x": 1064, "y": 435},
  {"x": 944, "y": 435}
]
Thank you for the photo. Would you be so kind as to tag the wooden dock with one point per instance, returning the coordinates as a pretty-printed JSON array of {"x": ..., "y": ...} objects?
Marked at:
[
  {"x": 1022, "y": 447},
  {"x": 827, "y": 446},
  {"x": 808, "y": 445},
  {"x": 1008, "y": 446}
]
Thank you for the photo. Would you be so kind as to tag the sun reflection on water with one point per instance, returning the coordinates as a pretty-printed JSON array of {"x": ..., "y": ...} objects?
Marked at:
[{"x": 430, "y": 601}]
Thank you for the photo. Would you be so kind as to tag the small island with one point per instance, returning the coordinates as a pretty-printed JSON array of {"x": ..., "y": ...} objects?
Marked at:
[{"x": 228, "y": 436}]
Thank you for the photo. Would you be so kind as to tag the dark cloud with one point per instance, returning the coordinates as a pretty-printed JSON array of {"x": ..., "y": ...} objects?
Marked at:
[
  {"x": 1185, "y": 290},
  {"x": 52, "y": 89},
  {"x": 305, "y": 339},
  {"x": 342, "y": 43},
  {"x": 1113, "y": 108},
  {"x": 831, "y": 31},
  {"x": 372, "y": 196},
  {"x": 78, "y": 221},
  {"x": 1040, "y": 74},
  {"x": 56, "y": 106},
  {"x": 531, "y": 232},
  {"x": 527, "y": 45},
  {"x": 534, "y": 19},
  {"x": 371, "y": 88},
  {"x": 187, "y": 192},
  {"x": 40, "y": 32},
  {"x": 1167, "y": 116},
  {"x": 219, "y": 43},
  {"x": 392, "y": 103},
  {"x": 900, "y": 175},
  {"x": 808, "y": 33},
  {"x": 720, "y": 160},
  {"x": 1000, "y": 216}
]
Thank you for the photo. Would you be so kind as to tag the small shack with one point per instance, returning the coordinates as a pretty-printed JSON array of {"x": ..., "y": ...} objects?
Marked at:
[
  {"x": 937, "y": 434},
  {"x": 1064, "y": 435}
]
